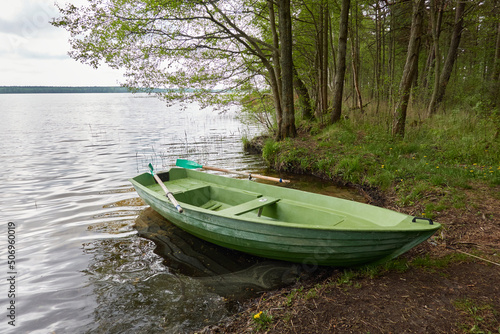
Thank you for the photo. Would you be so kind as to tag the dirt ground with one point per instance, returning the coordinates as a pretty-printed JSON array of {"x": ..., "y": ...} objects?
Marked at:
[{"x": 461, "y": 296}]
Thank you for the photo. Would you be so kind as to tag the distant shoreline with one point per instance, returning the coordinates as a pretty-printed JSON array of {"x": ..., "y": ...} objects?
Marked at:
[
  {"x": 61, "y": 89},
  {"x": 88, "y": 89}
]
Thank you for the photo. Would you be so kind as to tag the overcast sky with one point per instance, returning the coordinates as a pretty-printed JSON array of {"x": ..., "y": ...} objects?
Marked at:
[{"x": 34, "y": 53}]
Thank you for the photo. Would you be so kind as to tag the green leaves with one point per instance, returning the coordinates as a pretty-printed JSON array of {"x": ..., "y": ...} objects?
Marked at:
[{"x": 164, "y": 44}]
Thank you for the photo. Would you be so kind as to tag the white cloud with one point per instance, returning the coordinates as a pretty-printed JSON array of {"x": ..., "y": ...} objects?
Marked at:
[
  {"x": 33, "y": 52},
  {"x": 28, "y": 19}
]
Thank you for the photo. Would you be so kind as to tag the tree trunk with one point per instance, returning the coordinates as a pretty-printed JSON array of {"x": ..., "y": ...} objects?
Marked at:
[
  {"x": 276, "y": 44},
  {"x": 341, "y": 67},
  {"x": 275, "y": 71},
  {"x": 495, "y": 97},
  {"x": 436, "y": 16},
  {"x": 399, "y": 121},
  {"x": 376, "y": 66},
  {"x": 303, "y": 96},
  {"x": 355, "y": 76},
  {"x": 322, "y": 59},
  {"x": 451, "y": 57},
  {"x": 287, "y": 127},
  {"x": 273, "y": 82},
  {"x": 324, "y": 42},
  {"x": 391, "y": 55},
  {"x": 496, "y": 68},
  {"x": 355, "y": 62}
]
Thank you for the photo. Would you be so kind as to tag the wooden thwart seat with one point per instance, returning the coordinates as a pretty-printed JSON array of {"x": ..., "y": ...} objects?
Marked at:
[{"x": 257, "y": 203}]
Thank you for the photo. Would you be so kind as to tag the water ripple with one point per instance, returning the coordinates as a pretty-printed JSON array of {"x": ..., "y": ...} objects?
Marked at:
[{"x": 65, "y": 164}]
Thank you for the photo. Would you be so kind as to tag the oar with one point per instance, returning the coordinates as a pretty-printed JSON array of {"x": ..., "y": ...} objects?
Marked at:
[
  {"x": 170, "y": 196},
  {"x": 188, "y": 164}
]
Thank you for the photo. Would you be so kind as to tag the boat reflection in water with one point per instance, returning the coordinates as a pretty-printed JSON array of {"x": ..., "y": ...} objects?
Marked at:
[{"x": 228, "y": 273}]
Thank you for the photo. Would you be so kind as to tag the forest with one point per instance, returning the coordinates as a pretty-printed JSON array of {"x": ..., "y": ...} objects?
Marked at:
[{"x": 302, "y": 60}]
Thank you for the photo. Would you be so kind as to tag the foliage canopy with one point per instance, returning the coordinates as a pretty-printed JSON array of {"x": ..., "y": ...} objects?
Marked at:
[
  {"x": 239, "y": 47},
  {"x": 168, "y": 44}
]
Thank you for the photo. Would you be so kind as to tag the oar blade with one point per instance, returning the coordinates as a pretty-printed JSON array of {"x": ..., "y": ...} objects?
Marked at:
[
  {"x": 187, "y": 164},
  {"x": 151, "y": 169}
]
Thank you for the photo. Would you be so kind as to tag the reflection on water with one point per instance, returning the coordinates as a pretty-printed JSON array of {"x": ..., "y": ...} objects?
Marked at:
[
  {"x": 137, "y": 293},
  {"x": 177, "y": 283},
  {"x": 229, "y": 273},
  {"x": 82, "y": 265}
]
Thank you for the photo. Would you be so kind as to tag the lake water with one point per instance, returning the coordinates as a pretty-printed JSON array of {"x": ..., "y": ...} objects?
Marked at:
[{"x": 80, "y": 264}]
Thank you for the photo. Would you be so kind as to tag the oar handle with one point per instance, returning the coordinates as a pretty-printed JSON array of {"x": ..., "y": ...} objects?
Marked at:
[
  {"x": 257, "y": 176},
  {"x": 170, "y": 196}
]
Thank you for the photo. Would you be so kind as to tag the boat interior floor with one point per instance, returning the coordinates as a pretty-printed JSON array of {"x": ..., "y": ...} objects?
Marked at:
[
  {"x": 215, "y": 197},
  {"x": 231, "y": 201}
]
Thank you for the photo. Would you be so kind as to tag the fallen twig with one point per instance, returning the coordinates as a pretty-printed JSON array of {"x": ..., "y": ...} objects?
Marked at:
[{"x": 477, "y": 257}]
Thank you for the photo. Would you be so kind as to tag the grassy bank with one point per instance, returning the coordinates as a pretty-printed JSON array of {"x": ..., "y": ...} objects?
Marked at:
[{"x": 439, "y": 158}]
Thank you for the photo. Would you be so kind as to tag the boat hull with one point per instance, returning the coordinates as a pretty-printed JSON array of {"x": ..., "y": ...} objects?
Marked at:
[{"x": 261, "y": 232}]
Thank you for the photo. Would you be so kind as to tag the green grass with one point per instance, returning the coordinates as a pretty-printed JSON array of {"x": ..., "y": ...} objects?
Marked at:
[
  {"x": 293, "y": 295},
  {"x": 400, "y": 265},
  {"x": 347, "y": 277},
  {"x": 481, "y": 317},
  {"x": 439, "y": 157},
  {"x": 433, "y": 264}
]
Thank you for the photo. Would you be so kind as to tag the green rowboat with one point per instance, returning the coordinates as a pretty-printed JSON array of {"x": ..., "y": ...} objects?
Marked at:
[{"x": 282, "y": 223}]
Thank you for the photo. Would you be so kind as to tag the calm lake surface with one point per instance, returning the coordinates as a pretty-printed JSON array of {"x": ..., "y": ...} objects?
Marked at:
[{"x": 81, "y": 265}]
